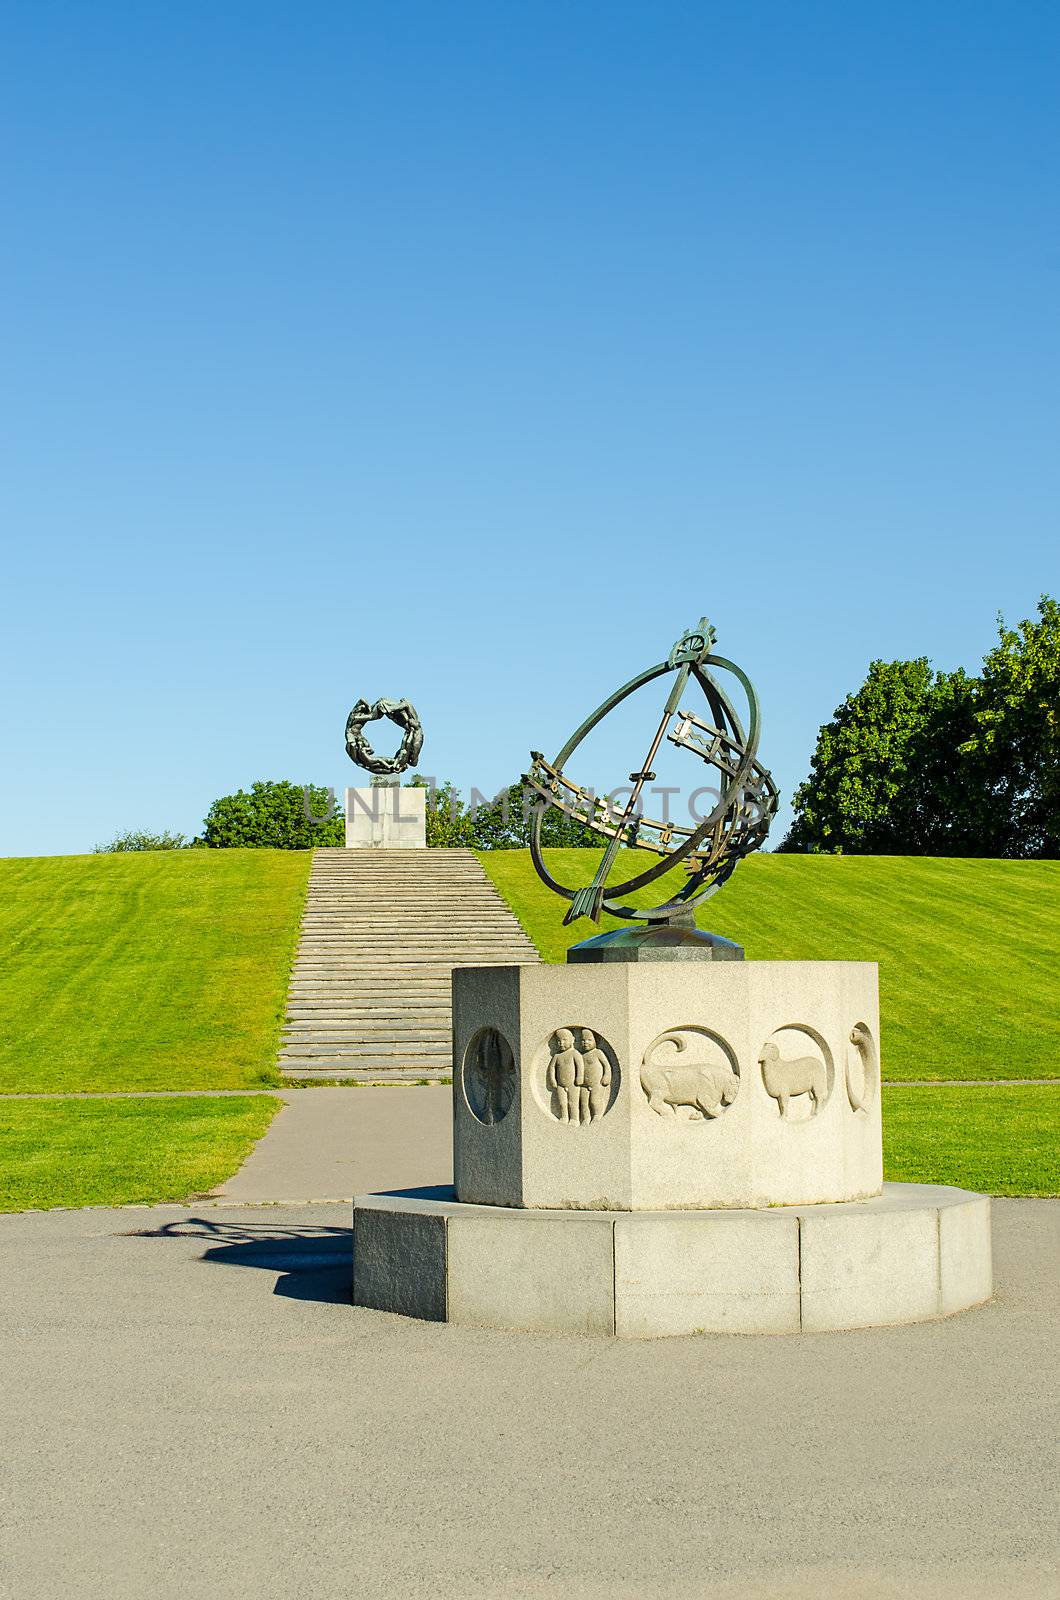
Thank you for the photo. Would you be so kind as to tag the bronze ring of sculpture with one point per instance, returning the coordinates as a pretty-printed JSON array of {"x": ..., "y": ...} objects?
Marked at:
[
  {"x": 737, "y": 824},
  {"x": 360, "y": 751}
]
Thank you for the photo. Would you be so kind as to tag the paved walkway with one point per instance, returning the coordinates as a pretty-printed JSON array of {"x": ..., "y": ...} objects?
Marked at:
[
  {"x": 330, "y": 1144},
  {"x": 191, "y": 1410}
]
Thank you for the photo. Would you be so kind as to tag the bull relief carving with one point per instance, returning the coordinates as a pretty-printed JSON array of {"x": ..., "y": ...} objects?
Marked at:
[{"x": 689, "y": 1070}]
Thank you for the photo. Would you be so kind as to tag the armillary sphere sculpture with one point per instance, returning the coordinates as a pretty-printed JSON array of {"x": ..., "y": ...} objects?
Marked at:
[
  {"x": 709, "y": 851},
  {"x": 360, "y": 751}
]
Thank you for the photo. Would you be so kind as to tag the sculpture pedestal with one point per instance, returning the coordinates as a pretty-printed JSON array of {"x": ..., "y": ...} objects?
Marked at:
[
  {"x": 667, "y": 1085},
  {"x": 386, "y": 817},
  {"x": 670, "y": 1148},
  {"x": 915, "y": 1252}
]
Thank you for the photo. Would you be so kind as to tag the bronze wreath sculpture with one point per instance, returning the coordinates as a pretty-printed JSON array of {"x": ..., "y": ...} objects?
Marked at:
[{"x": 360, "y": 751}]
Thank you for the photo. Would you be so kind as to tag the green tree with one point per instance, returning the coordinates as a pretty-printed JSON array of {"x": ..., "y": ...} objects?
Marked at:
[
  {"x": 887, "y": 777},
  {"x": 919, "y": 762},
  {"x": 274, "y": 816},
  {"x": 1016, "y": 736}
]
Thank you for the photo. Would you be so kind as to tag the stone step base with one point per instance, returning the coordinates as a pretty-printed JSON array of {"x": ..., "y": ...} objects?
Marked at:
[{"x": 917, "y": 1252}]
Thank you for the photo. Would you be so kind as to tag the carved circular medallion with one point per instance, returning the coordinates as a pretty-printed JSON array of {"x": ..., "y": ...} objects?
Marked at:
[
  {"x": 797, "y": 1071},
  {"x": 690, "y": 1073},
  {"x": 863, "y": 1067},
  {"x": 576, "y": 1075},
  {"x": 360, "y": 751},
  {"x": 488, "y": 1076}
]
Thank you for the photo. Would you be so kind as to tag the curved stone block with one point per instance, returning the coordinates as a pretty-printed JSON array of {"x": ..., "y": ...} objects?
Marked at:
[{"x": 914, "y": 1252}]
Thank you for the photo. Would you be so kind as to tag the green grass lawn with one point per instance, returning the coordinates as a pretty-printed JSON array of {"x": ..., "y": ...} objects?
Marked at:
[
  {"x": 992, "y": 1138},
  {"x": 969, "y": 951},
  {"x": 123, "y": 1152},
  {"x": 146, "y": 970}
]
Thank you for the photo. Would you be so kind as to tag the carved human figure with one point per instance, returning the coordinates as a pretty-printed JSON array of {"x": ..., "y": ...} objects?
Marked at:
[
  {"x": 565, "y": 1076},
  {"x": 596, "y": 1078}
]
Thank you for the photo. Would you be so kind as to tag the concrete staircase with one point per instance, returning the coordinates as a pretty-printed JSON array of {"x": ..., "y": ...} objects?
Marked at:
[{"x": 382, "y": 931}]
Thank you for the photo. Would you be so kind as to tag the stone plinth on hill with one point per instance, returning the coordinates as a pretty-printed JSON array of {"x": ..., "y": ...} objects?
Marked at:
[{"x": 386, "y": 817}]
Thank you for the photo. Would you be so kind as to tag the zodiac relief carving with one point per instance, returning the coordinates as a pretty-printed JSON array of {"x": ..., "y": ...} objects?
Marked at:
[
  {"x": 861, "y": 1068},
  {"x": 489, "y": 1075},
  {"x": 786, "y": 1078},
  {"x": 703, "y": 1086},
  {"x": 579, "y": 1077}
]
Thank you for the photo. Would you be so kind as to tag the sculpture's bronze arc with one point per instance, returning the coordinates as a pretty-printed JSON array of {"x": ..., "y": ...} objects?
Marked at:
[
  {"x": 572, "y": 743},
  {"x": 733, "y": 787},
  {"x": 694, "y": 890}
]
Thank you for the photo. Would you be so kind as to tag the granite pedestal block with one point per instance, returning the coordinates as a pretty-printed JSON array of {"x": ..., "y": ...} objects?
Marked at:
[
  {"x": 386, "y": 818},
  {"x": 657, "y": 1148},
  {"x": 664, "y": 1086},
  {"x": 912, "y": 1253}
]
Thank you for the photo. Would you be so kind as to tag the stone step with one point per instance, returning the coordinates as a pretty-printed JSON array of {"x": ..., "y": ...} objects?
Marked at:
[
  {"x": 420, "y": 894},
  {"x": 373, "y": 1006},
  {"x": 400, "y": 917},
  {"x": 381, "y": 1050},
  {"x": 403, "y": 873},
  {"x": 399, "y": 986},
  {"x": 387, "y": 1043},
  {"x": 407, "y": 1022},
  {"x": 472, "y": 934},
  {"x": 370, "y": 1075},
  {"x": 402, "y": 949},
  {"x": 408, "y": 980},
  {"x": 415, "y": 963},
  {"x": 346, "y": 1032},
  {"x": 439, "y": 928}
]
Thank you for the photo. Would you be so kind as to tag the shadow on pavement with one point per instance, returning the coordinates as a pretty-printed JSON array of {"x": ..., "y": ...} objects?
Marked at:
[{"x": 314, "y": 1263}]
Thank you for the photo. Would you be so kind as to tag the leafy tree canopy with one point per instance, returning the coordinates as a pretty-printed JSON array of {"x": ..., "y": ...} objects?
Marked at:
[
  {"x": 274, "y": 816},
  {"x": 1017, "y": 730},
  {"x": 918, "y": 762}
]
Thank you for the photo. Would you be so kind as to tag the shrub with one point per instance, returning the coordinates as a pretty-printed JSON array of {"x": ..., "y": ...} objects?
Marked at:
[{"x": 138, "y": 839}]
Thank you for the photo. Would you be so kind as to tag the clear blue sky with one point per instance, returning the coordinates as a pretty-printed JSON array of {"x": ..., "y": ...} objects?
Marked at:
[{"x": 469, "y": 352}]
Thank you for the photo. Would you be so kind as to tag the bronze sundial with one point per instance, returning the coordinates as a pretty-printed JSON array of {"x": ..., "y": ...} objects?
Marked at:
[{"x": 708, "y": 851}]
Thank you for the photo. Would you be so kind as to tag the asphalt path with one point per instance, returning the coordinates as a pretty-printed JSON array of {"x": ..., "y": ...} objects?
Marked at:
[{"x": 191, "y": 1407}]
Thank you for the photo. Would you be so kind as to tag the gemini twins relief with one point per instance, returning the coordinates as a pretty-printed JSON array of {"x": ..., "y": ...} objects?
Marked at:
[{"x": 580, "y": 1077}]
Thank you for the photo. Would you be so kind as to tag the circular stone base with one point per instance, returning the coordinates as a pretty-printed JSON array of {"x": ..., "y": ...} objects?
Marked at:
[{"x": 917, "y": 1251}]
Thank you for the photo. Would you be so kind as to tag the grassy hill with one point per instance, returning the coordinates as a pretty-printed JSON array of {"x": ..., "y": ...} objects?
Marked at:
[
  {"x": 969, "y": 951},
  {"x": 152, "y": 970},
  {"x": 169, "y": 971},
  {"x": 129, "y": 1151}
]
